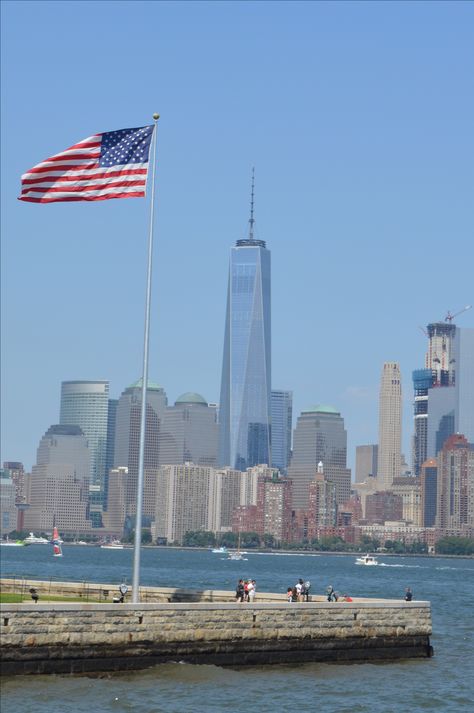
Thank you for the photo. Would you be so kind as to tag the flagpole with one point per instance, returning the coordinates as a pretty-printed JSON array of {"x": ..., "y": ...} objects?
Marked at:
[{"x": 141, "y": 457}]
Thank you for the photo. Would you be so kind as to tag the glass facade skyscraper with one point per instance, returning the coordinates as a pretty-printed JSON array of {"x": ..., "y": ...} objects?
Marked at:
[
  {"x": 319, "y": 436},
  {"x": 245, "y": 403},
  {"x": 450, "y": 403},
  {"x": 85, "y": 404},
  {"x": 464, "y": 354},
  {"x": 188, "y": 432},
  {"x": 127, "y": 435},
  {"x": 282, "y": 417}
]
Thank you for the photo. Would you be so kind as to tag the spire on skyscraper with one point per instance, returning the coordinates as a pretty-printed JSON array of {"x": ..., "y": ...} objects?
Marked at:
[{"x": 251, "y": 219}]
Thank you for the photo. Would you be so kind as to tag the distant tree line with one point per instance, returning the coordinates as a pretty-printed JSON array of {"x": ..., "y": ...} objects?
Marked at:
[
  {"x": 455, "y": 546},
  {"x": 252, "y": 540}
]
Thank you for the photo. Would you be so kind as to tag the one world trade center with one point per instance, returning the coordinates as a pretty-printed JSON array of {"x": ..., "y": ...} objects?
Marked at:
[{"x": 244, "y": 413}]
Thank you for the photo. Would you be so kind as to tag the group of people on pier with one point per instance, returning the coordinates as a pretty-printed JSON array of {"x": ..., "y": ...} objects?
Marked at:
[
  {"x": 298, "y": 593},
  {"x": 245, "y": 590}
]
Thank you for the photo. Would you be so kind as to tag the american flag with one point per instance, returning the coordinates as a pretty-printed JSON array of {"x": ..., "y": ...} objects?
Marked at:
[{"x": 113, "y": 164}]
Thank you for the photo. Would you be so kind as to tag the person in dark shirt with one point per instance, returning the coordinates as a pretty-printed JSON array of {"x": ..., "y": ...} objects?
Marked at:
[
  {"x": 239, "y": 591},
  {"x": 408, "y": 594}
]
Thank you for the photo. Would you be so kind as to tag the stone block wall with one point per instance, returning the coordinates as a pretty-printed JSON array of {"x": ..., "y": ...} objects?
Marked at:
[{"x": 46, "y": 638}]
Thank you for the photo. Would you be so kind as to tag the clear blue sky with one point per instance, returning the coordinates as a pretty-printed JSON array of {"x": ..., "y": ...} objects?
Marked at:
[{"x": 359, "y": 120}]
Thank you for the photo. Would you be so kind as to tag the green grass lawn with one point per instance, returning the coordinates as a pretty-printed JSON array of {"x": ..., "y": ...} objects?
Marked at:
[{"x": 8, "y": 598}]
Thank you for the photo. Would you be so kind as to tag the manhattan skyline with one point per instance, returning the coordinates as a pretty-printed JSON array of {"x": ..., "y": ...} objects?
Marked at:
[{"x": 360, "y": 131}]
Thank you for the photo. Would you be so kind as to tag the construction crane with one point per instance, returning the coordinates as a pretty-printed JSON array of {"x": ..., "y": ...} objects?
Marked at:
[{"x": 449, "y": 317}]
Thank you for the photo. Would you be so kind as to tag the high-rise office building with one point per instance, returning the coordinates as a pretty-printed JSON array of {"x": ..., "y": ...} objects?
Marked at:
[
  {"x": 455, "y": 487},
  {"x": 366, "y": 462},
  {"x": 319, "y": 436},
  {"x": 434, "y": 393},
  {"x": 8, "y": 509},
  {"x": 110, "y": 447},
  {"x": 114, "y": 516},
  {"x": 227, "y": 494},
  {"x": 428, "y": 486},
  {"x": 85, "y": 404},
  {"x": 244, "y": 409},
  {"x": 183, "y": 496},
  {"x": 59, "y": 491},
  {"x": 18, "y": 475},
  {"x": 422, "y": 381},
  {"x": 188, "y": 432},
  {"x": 390, "y": 426},
  {"x": 382, "y": 506},
  {"x": 274, "y": 507},
  {"x": 444, "y": 390},
  {"x": 322, "y": 503},
  {"x": 282, "y": 417},
  {"x": 409, "y": 489},
  {"x": 127, "y": 434},
  {"x": 248, "y": 493},
  {"x": 464, "y": 355}
]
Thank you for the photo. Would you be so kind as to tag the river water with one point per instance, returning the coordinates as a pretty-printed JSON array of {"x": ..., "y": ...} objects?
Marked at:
[{"x": 444, "y": 683}]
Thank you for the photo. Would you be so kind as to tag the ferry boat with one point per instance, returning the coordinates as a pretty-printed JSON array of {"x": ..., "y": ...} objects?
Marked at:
[
  {"x": 368, "y": 560},
  {"x": 32, "y": 539},
  {"x": 115, "y": 545}
]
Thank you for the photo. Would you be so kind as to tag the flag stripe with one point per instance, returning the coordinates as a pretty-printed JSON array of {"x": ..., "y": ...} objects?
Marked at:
[
  {"x": 91, "y": 187},
  {"x": 78, "y": 148},
  {"x": 138, "y": 194},
  {"x": 73, "y": 156},
  {"x": 83, "y": 171},
  {"x": 64, "y": 166},
  {"x": 53, "y": 180}
]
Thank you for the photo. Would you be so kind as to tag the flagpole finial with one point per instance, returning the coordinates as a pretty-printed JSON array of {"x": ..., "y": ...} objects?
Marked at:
[{"x": 156, "y": 116}]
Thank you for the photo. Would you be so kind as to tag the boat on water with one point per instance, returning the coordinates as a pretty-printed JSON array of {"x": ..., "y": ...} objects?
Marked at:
[
  {"x": 220, "y": 550},
  {"x": 114, "y": 545},
  {"x": 32, "y": 539},
  {"x": 368, "y": 560},
  {"x": 237, "y": 554},
  {"x": 57, "y": 542},
  {"x": 12, "y": 543}
]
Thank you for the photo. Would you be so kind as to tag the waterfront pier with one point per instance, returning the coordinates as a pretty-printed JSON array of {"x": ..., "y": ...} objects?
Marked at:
[{"x": 210, "y": 627}]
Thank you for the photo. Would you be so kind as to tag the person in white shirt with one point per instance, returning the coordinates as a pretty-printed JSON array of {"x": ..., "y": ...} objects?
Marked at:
[{"x": 251, "y": 589}]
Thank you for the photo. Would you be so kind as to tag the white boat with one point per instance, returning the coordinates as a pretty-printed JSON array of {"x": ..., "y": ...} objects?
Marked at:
[
  {"x": 12, "y": 543},
  {"x": 235, "y": 556},
  {"x": 220, "y": 550},
  {"x": 368, "y": 560},
  {"x": 115, "y": 545},
  {"x": 32, "y": 539}
]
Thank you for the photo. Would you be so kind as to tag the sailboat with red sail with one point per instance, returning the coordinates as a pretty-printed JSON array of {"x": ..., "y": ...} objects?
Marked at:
[{"x": 56, "y": 540}]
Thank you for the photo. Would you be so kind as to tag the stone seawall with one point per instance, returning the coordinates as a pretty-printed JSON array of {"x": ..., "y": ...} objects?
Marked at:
[{"x": 82, "y": 638}]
